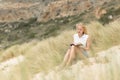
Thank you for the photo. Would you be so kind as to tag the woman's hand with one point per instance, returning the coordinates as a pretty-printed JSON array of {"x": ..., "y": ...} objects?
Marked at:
[
  {"x": 75, "y": 44},
  {"x": 78, "y": 44}
]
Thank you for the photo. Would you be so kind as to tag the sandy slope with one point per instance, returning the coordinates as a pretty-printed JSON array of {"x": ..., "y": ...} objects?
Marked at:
[
  {"x": 9, "y": 64},
  {"x": 80, "y": 70}
]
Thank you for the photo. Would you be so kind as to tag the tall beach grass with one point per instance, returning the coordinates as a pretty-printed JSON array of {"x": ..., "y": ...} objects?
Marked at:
[{"x": 46, "y": 54}]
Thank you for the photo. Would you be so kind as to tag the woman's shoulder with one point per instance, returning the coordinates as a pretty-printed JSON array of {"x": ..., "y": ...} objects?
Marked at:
[{"x": 86, "y": 35}]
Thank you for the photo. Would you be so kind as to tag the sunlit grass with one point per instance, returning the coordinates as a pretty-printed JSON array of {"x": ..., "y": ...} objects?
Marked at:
[
  {"x": 103, "y": 37},
  {"x": 46, "y": 54}
]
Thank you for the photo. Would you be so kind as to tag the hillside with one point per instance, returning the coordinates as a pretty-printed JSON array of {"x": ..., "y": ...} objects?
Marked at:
[
  {"x": 24, "y": 21},
  {"x": 12, "y": 10},
  {"x": 37, "y": 60},
  {"x": 102, "y": 67},
  {"x": 35, "y": 34}
]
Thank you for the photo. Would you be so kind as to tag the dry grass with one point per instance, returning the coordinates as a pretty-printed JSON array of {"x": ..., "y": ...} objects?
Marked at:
[
  {"x": 104, "y": 37},
  {"x": 46, "y": 54}
]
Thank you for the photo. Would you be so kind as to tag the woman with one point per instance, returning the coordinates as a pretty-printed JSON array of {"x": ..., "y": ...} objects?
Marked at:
[{"x": 80, "y": 45}]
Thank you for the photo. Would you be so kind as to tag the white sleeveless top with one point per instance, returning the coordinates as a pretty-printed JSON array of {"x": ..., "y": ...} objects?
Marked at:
[{"x": 82, "y": 39}]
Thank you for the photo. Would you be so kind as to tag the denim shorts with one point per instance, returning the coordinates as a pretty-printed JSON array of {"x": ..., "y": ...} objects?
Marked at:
[{"x": 85, "y": 53}]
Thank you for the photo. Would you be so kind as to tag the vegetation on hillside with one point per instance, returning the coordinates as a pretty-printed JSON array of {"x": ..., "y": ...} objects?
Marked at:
[
  {"x": 44, "y": 44},
  {"x": 46, "y": 54}
]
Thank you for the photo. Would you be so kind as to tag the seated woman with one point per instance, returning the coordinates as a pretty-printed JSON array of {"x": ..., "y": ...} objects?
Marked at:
[{"x": 80, "y": 45}]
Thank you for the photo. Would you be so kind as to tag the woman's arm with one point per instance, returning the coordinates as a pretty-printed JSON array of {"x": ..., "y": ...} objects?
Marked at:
[{"x": 87, "y": 44}]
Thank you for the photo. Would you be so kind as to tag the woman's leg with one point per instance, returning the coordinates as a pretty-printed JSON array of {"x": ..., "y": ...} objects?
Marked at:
[
  {"x": 71, "y": 55},
  {"x": 83, "y": 55},
  {"x": 65, "y": 60},
  {"x": 66, "y": 57}
]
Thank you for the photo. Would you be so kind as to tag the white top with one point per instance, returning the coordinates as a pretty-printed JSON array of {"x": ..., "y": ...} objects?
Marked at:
[{"x": 82, "y": 39}]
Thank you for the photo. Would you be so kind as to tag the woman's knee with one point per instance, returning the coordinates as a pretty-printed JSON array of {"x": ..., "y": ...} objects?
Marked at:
[
  {"x": 72, "y": 52},
  {"x": 72, "y": 47}
]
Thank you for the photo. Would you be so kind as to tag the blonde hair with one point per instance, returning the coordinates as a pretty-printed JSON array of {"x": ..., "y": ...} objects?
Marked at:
[{"x": 84, "y": 27}]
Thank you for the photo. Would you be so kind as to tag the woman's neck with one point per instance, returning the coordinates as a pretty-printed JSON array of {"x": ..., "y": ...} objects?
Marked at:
[{"x": 80, "y": 35}]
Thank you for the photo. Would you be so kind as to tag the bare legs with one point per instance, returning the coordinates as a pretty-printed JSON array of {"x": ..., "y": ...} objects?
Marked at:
[
  {"x": 71, "y": 54},
  {"x": 66, "y": 57}
]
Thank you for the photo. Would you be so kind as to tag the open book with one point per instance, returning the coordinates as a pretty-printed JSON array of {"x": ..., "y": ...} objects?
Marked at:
[{"x": 76, "y": 44}]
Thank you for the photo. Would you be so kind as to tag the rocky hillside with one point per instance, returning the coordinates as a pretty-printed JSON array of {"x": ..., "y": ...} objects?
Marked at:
[
  {"x": 12, "y": 10},
  {"x": 23, "y": 20},
  {"x": 15, "y": 11},
  {"x": 46, "y": 1}
]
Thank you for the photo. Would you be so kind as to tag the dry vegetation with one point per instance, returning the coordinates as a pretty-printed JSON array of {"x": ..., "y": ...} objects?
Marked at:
[{"x": 45, "y": 55}]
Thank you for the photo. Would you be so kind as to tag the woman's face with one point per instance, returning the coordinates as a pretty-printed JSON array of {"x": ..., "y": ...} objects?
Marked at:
[{"x": 80, "y": 30}]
